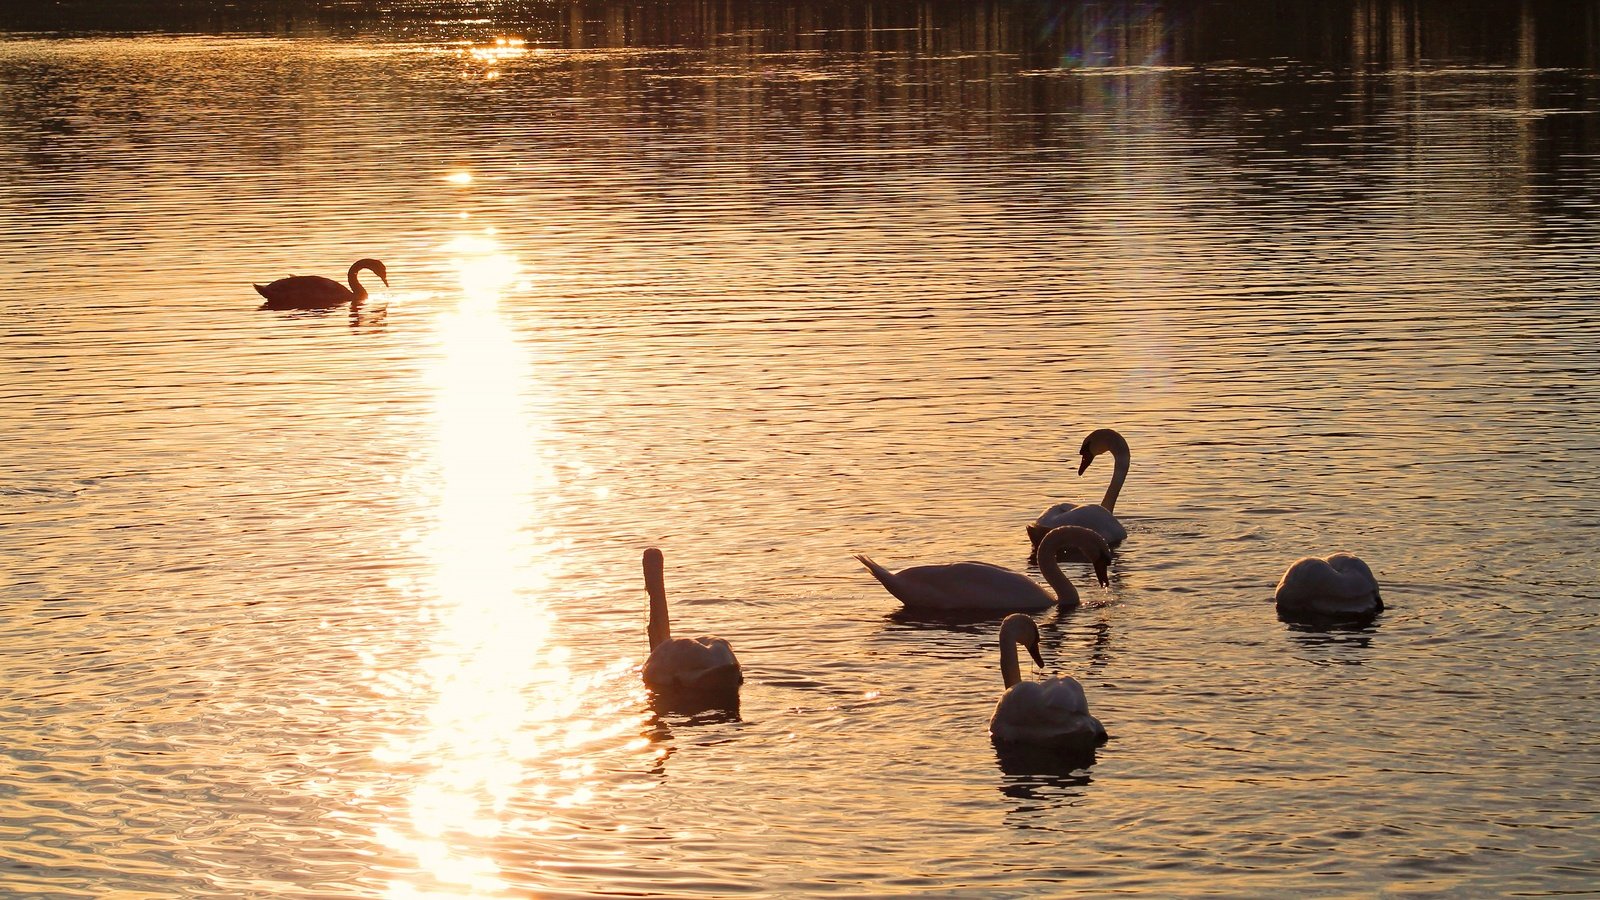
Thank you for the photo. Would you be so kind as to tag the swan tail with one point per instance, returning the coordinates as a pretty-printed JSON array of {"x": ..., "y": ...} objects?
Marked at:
[
  {"x": 878, "y": 572},
  {"x": 884, "y": 576}
]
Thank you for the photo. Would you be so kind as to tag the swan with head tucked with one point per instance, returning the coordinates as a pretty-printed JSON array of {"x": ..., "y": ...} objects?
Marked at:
[
  {"x": 316, "y": 292},
  {"x": 983, "y": 586},
  {"x": 1096, "y": 516},
  {"x": 1340, "y": 586},
  {"x": 1050, "y": 713},
  {"x": 702, "y": 665}
]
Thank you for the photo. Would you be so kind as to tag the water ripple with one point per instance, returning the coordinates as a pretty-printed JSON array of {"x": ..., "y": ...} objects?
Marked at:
[{"x": 315, "y": 605}]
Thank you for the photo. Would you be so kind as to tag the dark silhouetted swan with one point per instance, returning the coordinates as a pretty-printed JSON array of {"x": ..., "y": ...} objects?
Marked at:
[
  {"x": 316, "y": 292},
  {"x": 1099, "y": 516},
  {"x": 982, "y": 586},
  {"x": 1050, "y": 713},
  {"x": 677, "y": 666},
  {"x": 1340, "y": 586}
]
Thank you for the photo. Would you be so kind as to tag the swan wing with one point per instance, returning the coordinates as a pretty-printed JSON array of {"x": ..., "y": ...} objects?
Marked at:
[
  {"x": 1339, "y": 584},
  {"x": 1063, "y": 697},
  {"x": 1092, "y": 516},
  {"x": 1051, "y": 517},
  {"x": 964, "y": 585},
  {"x": 1357, "y": 574},
  {"x": 304, "y": 292},
  {"x": 686, "y": 663},
  {"x": 1053, "y": 712}
]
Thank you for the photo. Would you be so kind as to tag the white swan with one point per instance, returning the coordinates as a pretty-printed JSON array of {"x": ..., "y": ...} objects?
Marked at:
[
  {"x": 982, "y": 586},
  {"x": 702, "y": 665},
  {"x": 1098, "y": 517},
  {"x": 1340, "y": 586},
  {"x": 316, "y": 292},
  {"x": 1049, "y": 713}
]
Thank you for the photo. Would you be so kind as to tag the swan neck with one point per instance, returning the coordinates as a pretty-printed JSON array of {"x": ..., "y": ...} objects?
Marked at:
[
  {"x": 1118, "y": 476},
  {"x": 355, "y": 283},
  {"x": 659, "y": 628},
  {"x": 1010, "y": 671},
  {"x": 1050, "y": 566}
]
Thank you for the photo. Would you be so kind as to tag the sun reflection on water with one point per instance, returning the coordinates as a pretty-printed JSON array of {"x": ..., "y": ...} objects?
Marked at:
[
  {"x": 503, "y": 735},
  {"x": 492, "y": 54},
  {"x": 501, "y": 48}
]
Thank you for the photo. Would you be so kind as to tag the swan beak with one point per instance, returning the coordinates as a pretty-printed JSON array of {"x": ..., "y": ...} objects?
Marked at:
[
  {"x": 1033, "y": 651},
  {"x": 1084, "y": 466},
  {"x": 1101, "y": 566}
]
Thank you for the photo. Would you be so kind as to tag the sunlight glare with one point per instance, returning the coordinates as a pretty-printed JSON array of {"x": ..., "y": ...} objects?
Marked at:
[
  {"x": 483, "y": 270},
  {"x": 507, "y": 731},
  {"x": 493, "y": 667},
  {"x": 502, "y": 48}
]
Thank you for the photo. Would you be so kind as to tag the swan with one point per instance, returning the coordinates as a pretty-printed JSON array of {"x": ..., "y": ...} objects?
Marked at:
[
  {"x": 1051, "y": 713},
  {"x": 1338, "y": 586},
  {"x": 1096, "y": 516},
  {"x": 977, "y": 585},
  {"x": 316, "y": 292},
  {"x": 701, "y": 665}
]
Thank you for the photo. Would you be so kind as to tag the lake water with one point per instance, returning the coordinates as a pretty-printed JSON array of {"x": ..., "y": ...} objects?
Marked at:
[{"x": 334, "y": 605}]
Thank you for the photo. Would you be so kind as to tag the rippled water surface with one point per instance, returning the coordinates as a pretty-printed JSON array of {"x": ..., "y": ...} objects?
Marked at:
[{"x": 349, "y": 604}]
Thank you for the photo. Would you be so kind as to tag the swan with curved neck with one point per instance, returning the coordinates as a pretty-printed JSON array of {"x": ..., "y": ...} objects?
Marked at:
[
  {"x": 1100, "y": 516},
  {"x": 1050, "y": 713},
  {"x": 316, "y": 292},
  {"x": 700, "y": 665},
  {"x": 1340, "y": 586},
  {"x": 983, "y": 586}
]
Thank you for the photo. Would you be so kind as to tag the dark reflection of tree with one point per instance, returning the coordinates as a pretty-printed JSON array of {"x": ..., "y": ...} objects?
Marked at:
[
  {"x": 1082, "y": 33},
  {"x": 771, "y": 80}
]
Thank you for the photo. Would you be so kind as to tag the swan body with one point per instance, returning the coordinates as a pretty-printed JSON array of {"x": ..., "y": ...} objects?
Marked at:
[
  {"x": 1051, "y": 713},
  {"x": 983, "y": 586},
  {"x": 1339, "y": 586},
  {"x": 1097, "y": 517},
  {"x": 700, "y": 665},
  {"x": 316, "y": 292}
]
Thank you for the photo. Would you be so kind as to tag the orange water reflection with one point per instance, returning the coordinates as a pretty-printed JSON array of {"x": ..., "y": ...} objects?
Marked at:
[
  {"x": 491, "y": 55},
  {"x": 499, "y": 737},
  {"x": 502, "y": 48}
]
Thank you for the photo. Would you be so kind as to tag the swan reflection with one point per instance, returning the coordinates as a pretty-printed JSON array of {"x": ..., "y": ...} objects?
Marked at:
[
  {"x": 1333, "y": 643},
  {"x": 1030, "y": 767}
]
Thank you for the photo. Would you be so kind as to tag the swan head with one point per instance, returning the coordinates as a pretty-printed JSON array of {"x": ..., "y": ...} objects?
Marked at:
[
  {"x": 1102, "y": 567},
  {"x": 375, "y": 266},
  {"x": 1020, "y": 628},
  {"x": 1101, "y": 440},
  {"x": 654, "y": 573},
  {"x": 1085, "y": 541}
]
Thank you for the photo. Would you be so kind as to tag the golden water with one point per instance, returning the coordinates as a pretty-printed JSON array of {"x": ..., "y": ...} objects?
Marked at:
[{"x": 331, "y": 605}]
